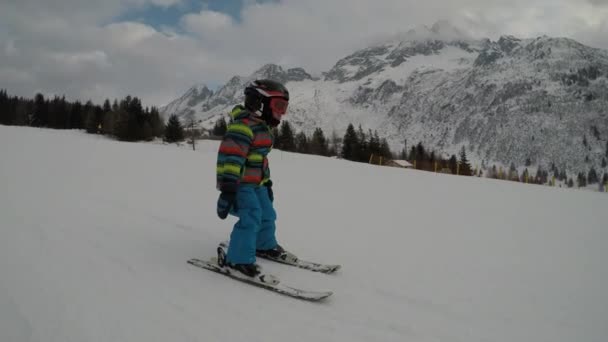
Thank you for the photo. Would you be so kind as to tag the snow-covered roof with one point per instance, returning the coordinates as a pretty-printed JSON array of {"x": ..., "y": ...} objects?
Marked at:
[{"x": 403, "y": 163}]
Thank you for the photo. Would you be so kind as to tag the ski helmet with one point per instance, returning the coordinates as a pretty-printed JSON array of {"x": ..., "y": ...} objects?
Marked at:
[{"x": 269, "y": 97}]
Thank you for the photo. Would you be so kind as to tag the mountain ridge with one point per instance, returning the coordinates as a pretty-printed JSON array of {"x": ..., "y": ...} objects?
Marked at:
[{"x": 542, "y": 99}]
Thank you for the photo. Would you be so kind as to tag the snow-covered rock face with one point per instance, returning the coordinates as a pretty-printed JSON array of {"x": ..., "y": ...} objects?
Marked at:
[
  {"x": 543, "y": 99},
  {"x": 208, "y": 106}
]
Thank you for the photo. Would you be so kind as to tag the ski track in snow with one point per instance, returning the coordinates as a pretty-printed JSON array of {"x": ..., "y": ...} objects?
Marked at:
[{"x": 95, "y": 234}]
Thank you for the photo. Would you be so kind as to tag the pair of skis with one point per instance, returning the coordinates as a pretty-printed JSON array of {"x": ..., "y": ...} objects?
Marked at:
[{"x": 267, "y": 281}]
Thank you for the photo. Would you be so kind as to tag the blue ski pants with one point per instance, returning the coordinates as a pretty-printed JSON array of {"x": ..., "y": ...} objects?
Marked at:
[{"x": 255, "y": 228}]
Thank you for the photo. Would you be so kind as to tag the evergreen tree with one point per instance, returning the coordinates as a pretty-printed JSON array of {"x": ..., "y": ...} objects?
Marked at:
[
  {"x": 403, "y": 154},
  {"x": 421, "y": 154},
  {"x": 156, "y": 123},
  {"x": 4, "y": 117},
  {"x": 412, "y": 156},
  {"x": 318, "y": 143},
  {"x": 563, "y": 176},
  {"x": 604, "y": 164},
  {"x": 75, "y": 120},
  {"x": 350, "y": 144},
  {"x": 63, "y": 113},
  {"x": 432, "y": 160},
  {"x": 334, "y": 144},
  {"x": 108, "y": 123},
  {"x": 525, "y": 176},
  {"x": 542, "y": 176},
  {"x": 40, "y": 115},
  {"x": 582, "y": 180},
  {"x": 137, "y": 119},
  {"x": 58, "y": 113},
  {"x": 385, "y": 151},
  {"x": 107, "y": 107},
  {"x": 373, "y": 146},
  {"x": 513, "y": 176},
  {"x": 302, "y": 145},
  {"x": 91, "y": 121},
  {"x": 287, "y": 137},
  {"x": 363, "y": 151},
  {"x": 570, "y": 183},
  {"x": 120, "y": 125},
  {"x": 53, "y": 113},
  {"x": 22, "y": 112},
  {"x": 592, "y": 177},
  {"x": 174, "y": 131},
  {"x": 220, "y": 127},
  {"x": 465, "y": 166},
  {"x": 555, "y": 171},
  {"x": 8, "y": 109},
  {"x": 146, "y": 131},
  {"x": 453, "y": 164}
]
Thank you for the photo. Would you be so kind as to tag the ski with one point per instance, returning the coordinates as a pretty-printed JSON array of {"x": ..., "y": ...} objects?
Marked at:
[
  {"x": 264, "y": 281},
  {"x": 290, "y": 259}
]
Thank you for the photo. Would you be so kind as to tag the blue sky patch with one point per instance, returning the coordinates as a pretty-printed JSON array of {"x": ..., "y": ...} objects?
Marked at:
[{"x": 158, "y": 16}]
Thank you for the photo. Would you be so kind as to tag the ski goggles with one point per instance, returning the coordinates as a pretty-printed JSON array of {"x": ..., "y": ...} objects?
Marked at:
[{"x": 278, "y": 106}]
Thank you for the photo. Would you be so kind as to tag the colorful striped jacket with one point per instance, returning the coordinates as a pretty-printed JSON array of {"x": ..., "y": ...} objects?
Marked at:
[{"x": 242, "y": 155}]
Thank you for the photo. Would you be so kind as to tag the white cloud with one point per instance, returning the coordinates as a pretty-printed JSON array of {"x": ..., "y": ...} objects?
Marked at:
[
  {"x": 78, "y": 61},
  {"x": 66, "y": 46},
  {"x": 128, "y": 34},
  {"x": 10, "y": 75},
  {"x": 207, "y": 23}
]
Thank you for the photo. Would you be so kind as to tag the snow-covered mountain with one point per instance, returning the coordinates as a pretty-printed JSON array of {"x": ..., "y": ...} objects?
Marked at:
[{"x": 543, "y": 99}]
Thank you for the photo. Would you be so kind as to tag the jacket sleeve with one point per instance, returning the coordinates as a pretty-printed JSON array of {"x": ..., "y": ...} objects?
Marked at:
[
  {"x": 232, "y": 155},
  {"x": 266, "y": 172}
]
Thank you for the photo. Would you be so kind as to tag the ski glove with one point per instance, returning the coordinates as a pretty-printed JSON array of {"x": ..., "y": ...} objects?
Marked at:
[
  {"x": 268, "y": 186},
  {"x": 225, "y": 203}
]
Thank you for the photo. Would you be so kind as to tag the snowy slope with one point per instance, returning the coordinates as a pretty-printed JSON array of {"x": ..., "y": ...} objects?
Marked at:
[{"x": 95, "y": 234}]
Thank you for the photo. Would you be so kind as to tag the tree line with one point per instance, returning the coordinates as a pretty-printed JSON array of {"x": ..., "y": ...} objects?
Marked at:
[
  {"x": 125, "y": 120},
  {"x": 425, "y": 159},
  {"x": 354, "y": 145},
  {"x": 128, "y": 120},
  {"x": 286, "y": 138},
  {"x": 359, "y": 146}
]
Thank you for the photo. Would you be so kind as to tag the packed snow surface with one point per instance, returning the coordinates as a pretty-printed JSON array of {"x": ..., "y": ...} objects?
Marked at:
[{"x": 95, "y": 234}]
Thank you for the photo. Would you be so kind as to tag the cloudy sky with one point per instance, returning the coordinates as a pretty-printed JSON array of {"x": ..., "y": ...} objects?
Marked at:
[{"x": 156, "y": 49}]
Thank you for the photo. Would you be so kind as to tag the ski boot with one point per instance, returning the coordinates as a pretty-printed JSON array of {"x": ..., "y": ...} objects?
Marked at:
[
  {"x": 250, "y": 270},
  {"x": 277, "y": 253}
]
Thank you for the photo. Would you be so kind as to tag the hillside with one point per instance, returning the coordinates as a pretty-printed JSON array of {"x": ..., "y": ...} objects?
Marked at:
[{"x": 95, "y": 234}]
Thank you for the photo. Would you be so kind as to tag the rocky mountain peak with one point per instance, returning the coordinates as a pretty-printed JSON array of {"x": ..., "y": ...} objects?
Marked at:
[
  {"x": 198, "y": 94},
  {"x": 269, "y": 71},
  {"x": 277, "y": 73}
]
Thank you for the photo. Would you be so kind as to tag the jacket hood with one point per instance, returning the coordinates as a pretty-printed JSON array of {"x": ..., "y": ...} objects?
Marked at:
[{"x": 239, "y": 112}]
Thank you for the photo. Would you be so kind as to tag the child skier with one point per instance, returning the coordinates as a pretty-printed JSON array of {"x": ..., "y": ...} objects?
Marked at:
[{"x": 243, "y": 176}]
